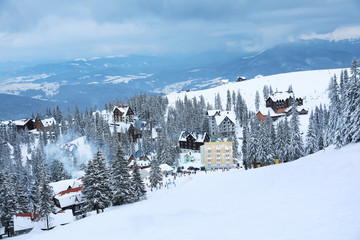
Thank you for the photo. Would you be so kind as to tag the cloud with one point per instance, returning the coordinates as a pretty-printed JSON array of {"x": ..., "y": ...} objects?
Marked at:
[
  {"x": 352, "y": 32},
  {"x": 42, "y": 29}
]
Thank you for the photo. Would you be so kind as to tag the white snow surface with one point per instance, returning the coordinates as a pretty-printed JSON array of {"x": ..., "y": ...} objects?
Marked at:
[{"x": 313, "y": 198}]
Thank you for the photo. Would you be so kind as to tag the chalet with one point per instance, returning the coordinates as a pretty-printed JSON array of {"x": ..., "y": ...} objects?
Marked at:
[
  {"x": 188, "y": 157},
  {"x": 263, "y": 113},
  {"x": 24, "y": 222},
  {"x": 123, "y": 114},
  {"x": 221, "y": 123},
  {"x": 67, "y": 195},
  {"x": 44, "y": 125},
  {"x": 142, "y": 160},
  {"x": 241, "y": 79},
  {"x": 282, "y": 100},
  {"x": 192, "y": 140},
  {"x": 23, "y": 124}
]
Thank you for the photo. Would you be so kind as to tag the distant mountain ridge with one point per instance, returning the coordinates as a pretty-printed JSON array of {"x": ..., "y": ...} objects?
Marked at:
[{"x": 87, "y": 82}]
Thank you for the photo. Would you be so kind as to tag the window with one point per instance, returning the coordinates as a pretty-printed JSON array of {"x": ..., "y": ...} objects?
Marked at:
[
  {"x": 227, "y": 150},
  {"x": 218, "y": 150},
  {"x": 209, "y": 155}
]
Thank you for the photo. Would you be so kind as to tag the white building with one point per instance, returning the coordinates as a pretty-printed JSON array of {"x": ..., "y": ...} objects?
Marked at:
[{"x": 221, "y": 123}]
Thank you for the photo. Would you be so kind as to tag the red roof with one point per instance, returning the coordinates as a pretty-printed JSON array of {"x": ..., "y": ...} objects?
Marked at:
[
  {"x": 77, "y": 189},
  {"x": 32, "y": 215}
]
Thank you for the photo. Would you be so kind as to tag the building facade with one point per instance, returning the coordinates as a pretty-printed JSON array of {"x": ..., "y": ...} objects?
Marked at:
[
  {"x": 221, "y": 123},
  {"x": 192, "y": 140},
  {"x": 123, "y": 114},
  {"x": 215, "y": 155}
]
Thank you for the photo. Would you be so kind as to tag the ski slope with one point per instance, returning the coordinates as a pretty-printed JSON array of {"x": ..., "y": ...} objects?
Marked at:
[{"x": 315, "y": 197}]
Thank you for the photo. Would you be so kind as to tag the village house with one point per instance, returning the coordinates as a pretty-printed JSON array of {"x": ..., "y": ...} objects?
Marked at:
[
  {"x": 68, "y": 195},
  {"x": 282, "y": 100},
  {"x": 280, "y": 105},
  {"x": 192, "y": 140},
  {"x": 22, "y": 124},
  {"x": 45, "y": 125},
  {"x": 123, "y": 114},
  {"x": 217, "y": 155},
  {"x": 241, "y": 79},
  {"x": 221, "y": 123}
]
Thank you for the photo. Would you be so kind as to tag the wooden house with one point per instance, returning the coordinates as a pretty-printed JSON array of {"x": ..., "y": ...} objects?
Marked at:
[
  {"x": 23, "y": 124},
  {"x": 282, "y": 100},
  {"x": 192, "y": 140},
  {"x": 45, "y": 124},
  {"x": 241, "y": 79}
]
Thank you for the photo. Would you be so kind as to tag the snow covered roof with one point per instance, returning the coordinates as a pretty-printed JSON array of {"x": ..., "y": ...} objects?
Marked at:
[
  {"x": 65, "y": 185},
  {"x": 69, "y": 197},
  {"x": 21, "y": 122},
  {"x": 223, "y": 114},
  {"x": 264, "y": 111},
  {"x": 140, "y": 163},
  {"x": 48, "y": 122},
  {"x": 199, "y": 137},
  {"x": 165, "y": 167},
  {"x": 212, "y": 113},
  {"x": 281, "y": 96},
  {"x": 122, "y": 109},
  {"x": 24, "y": 221}
]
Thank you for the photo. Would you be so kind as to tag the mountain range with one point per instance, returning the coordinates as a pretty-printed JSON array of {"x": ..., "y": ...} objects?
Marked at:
[{"x": 89, "y": 82}]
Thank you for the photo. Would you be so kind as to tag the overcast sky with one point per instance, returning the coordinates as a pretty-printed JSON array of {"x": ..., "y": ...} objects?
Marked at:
[{"x": 35, "y": 30}]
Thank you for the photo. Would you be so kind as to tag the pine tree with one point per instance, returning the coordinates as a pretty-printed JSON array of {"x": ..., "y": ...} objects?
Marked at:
[
  {"x": 22, "y": 199},
  {"x": 354, "y": 104},
  {"x": 244, "y": 147},
  {"x": 311, "y": 139},
  {"x": 334, "y": 110},
  {"x": 155, "y": 173},
  {"x": 218, "y": 104},
  {"x": 121, "y": 185},
  {"x": 46, "y": 203},
  {"x": 269, "y": 140},
  {"x": 296, "y": 149},
  {"x": 228, "y": 101},
  {"x": 57, "y": 171},
  {"x": 266, "y": 92},
  {"x": 138, "y": 187},
  {"x": 9, "y": 206},
  {"x": 97, "y": 186},
  {"x": 257, "y": 101}
]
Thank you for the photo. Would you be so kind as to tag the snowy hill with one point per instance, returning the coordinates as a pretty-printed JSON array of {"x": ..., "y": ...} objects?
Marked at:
[
  {"x": 314, "y": 197},
  {"x": 310, "y": 85}
]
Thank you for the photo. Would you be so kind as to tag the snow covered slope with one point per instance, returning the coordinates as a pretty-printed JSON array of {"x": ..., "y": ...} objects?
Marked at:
[
  {"x": 310, "y": 85},
  {"x": 315, "y": 197}
]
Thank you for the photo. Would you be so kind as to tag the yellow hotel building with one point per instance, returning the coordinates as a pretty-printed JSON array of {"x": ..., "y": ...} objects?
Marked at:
[{"x": 217, "y": 155}]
